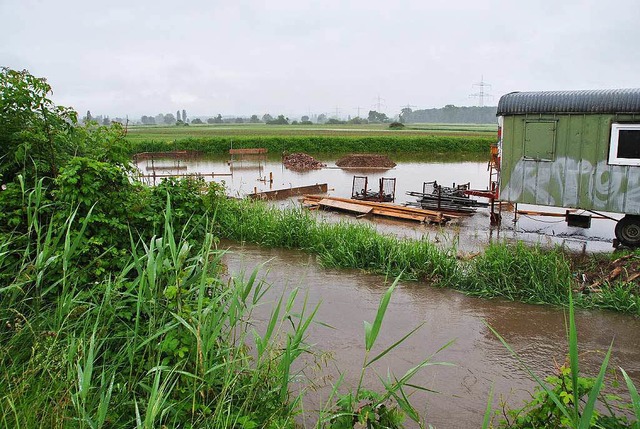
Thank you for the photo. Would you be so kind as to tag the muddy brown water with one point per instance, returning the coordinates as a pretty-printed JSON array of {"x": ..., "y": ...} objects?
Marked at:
[
  {"x": 348, "y": 297},
  {"x": 468, "y": 235}
]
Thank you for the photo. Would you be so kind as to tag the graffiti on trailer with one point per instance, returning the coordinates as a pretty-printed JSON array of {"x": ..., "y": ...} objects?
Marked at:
[{"x": 568, "y": 182}]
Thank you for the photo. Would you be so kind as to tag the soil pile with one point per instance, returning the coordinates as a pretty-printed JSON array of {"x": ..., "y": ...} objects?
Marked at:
[
  {"x": 366, "y": 160},
  {"x": 301, "y": 161}
]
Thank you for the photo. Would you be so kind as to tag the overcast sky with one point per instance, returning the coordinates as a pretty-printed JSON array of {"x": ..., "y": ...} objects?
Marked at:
[{"x": 294, "y": 57}]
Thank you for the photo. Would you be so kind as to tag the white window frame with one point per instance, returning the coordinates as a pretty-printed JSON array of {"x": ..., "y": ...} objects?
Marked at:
[{"x": 613, "y": 145}]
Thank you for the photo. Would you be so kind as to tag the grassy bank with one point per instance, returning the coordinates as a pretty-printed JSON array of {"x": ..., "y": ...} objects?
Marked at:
[
  {"x": 161, "y": 342},
  {"x": 321, "y": 144},
  {"x": 518, "y": 272},
  {"x": 160, "y": 337},
  {"x": 342, "y": 245}
]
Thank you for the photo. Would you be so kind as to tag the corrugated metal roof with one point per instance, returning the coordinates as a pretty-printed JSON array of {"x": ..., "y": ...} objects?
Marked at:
[{"x": 590, "y": 101}]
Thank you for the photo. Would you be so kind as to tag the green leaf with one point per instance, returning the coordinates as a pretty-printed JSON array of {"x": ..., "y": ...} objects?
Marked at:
[
  {"x": 573, "y": 358},
  {"x": 635, "y": 398},
  {"x": 585, "y": 419},
  {"x": 372, "y": 331},
  {"x": 487, "y": 412},
  {"x": 393, "y": 346}
]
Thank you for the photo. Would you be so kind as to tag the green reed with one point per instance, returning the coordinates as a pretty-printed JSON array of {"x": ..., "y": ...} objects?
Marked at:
[
  {"x": 166, "y": 341},
  {"x": 162, "y": 342},
  {"x": 569, "y": 399},
  {"x": 519, "y": 272},
  {"x": 341, "y": 245}
]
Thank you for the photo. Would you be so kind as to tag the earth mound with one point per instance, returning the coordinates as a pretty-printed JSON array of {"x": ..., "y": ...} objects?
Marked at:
[
  {"x": 301, "y": 162},
  {"x": 366, "y": 160}
]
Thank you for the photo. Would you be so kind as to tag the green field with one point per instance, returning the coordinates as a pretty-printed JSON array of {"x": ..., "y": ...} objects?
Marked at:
[
  {"x": 317, "y": 139},
  {"x": 172, "y": 132}
]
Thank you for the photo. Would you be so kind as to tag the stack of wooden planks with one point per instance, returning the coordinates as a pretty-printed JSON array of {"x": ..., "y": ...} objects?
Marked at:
[{"x": 363, "y": 208}]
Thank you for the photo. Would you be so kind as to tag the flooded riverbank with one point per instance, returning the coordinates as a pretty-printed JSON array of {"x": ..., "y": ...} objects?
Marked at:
[
  {"x": 246, "y": 175},
  {"x": 347, "y": 298}
]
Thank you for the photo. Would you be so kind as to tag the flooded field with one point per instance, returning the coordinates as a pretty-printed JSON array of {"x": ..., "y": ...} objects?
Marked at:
[
  {"x": 247, "y": 175},
  {"x": 347, "y": 298}
]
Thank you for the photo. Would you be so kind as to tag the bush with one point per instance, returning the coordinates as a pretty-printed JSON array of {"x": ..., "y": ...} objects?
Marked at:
[{"x": 38, "y": 137}]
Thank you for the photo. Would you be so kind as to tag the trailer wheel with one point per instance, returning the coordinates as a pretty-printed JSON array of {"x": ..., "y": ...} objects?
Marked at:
[{"x": 628, "y": 231}]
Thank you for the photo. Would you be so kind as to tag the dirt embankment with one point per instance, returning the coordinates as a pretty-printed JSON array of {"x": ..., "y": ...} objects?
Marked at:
[
  {"x": 366, "y": 160},
  {"x": 301, "y": 162},
  {"x": 595, "y": 273}
]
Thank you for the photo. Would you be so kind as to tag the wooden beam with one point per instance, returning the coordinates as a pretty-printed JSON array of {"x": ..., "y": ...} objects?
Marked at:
[
  {"x": 341, "y": 205},
  {"x": 280, "y": 194},
  {"x": 378, "y": 209},
  {"x": 386, "y": 206}
]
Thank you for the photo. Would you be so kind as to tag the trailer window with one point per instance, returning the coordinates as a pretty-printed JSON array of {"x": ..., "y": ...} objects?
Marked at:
[
  {"x": 624, "y": 148},
  {"x": 539, "y": 140}
]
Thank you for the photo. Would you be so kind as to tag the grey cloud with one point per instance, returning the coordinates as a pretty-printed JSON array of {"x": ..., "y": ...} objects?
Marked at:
[{"x": 248, "y": 57}]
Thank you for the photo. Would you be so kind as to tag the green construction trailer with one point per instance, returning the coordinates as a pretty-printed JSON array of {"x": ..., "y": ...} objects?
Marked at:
[{"x": 573, "y": 149}]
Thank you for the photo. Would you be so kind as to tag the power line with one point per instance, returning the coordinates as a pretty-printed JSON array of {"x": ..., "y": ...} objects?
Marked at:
[
  {"x": 379, "y": 103},
  {"x": 481, "y": 94}
]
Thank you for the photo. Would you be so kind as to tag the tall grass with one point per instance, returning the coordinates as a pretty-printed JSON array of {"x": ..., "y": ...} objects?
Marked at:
[
  {"x": 342, "y": 245},
  {"x": 569, "y": 399},
  {"x": 162, "y": 342},
  {"x": 361, "y": 407},
  {"x": 166, "y": 341},
  {"x": 519, "y": 272},
  {"x": 346, "y": 245}
]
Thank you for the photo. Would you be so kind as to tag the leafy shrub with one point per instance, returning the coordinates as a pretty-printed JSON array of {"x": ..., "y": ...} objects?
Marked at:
[
  {"x": 101, "y": 195},
  {"x": 542, "y": 412},
  {"x": 37, "y": 136}
]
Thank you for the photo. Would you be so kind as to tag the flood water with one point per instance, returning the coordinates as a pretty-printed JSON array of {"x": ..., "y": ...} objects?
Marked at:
[
  {"x": 243, "y": 176},
  {"x": 347, "y": 298}
]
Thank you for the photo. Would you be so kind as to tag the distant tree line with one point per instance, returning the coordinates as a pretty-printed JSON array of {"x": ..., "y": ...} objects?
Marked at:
[
  {"x": 159, "y": 119},
  {"x": 101, "y": 120},
  {"x": 446, "y": 114},
  {"x": 180, "y": 118},
  {"x": 451, "y": 114}
]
